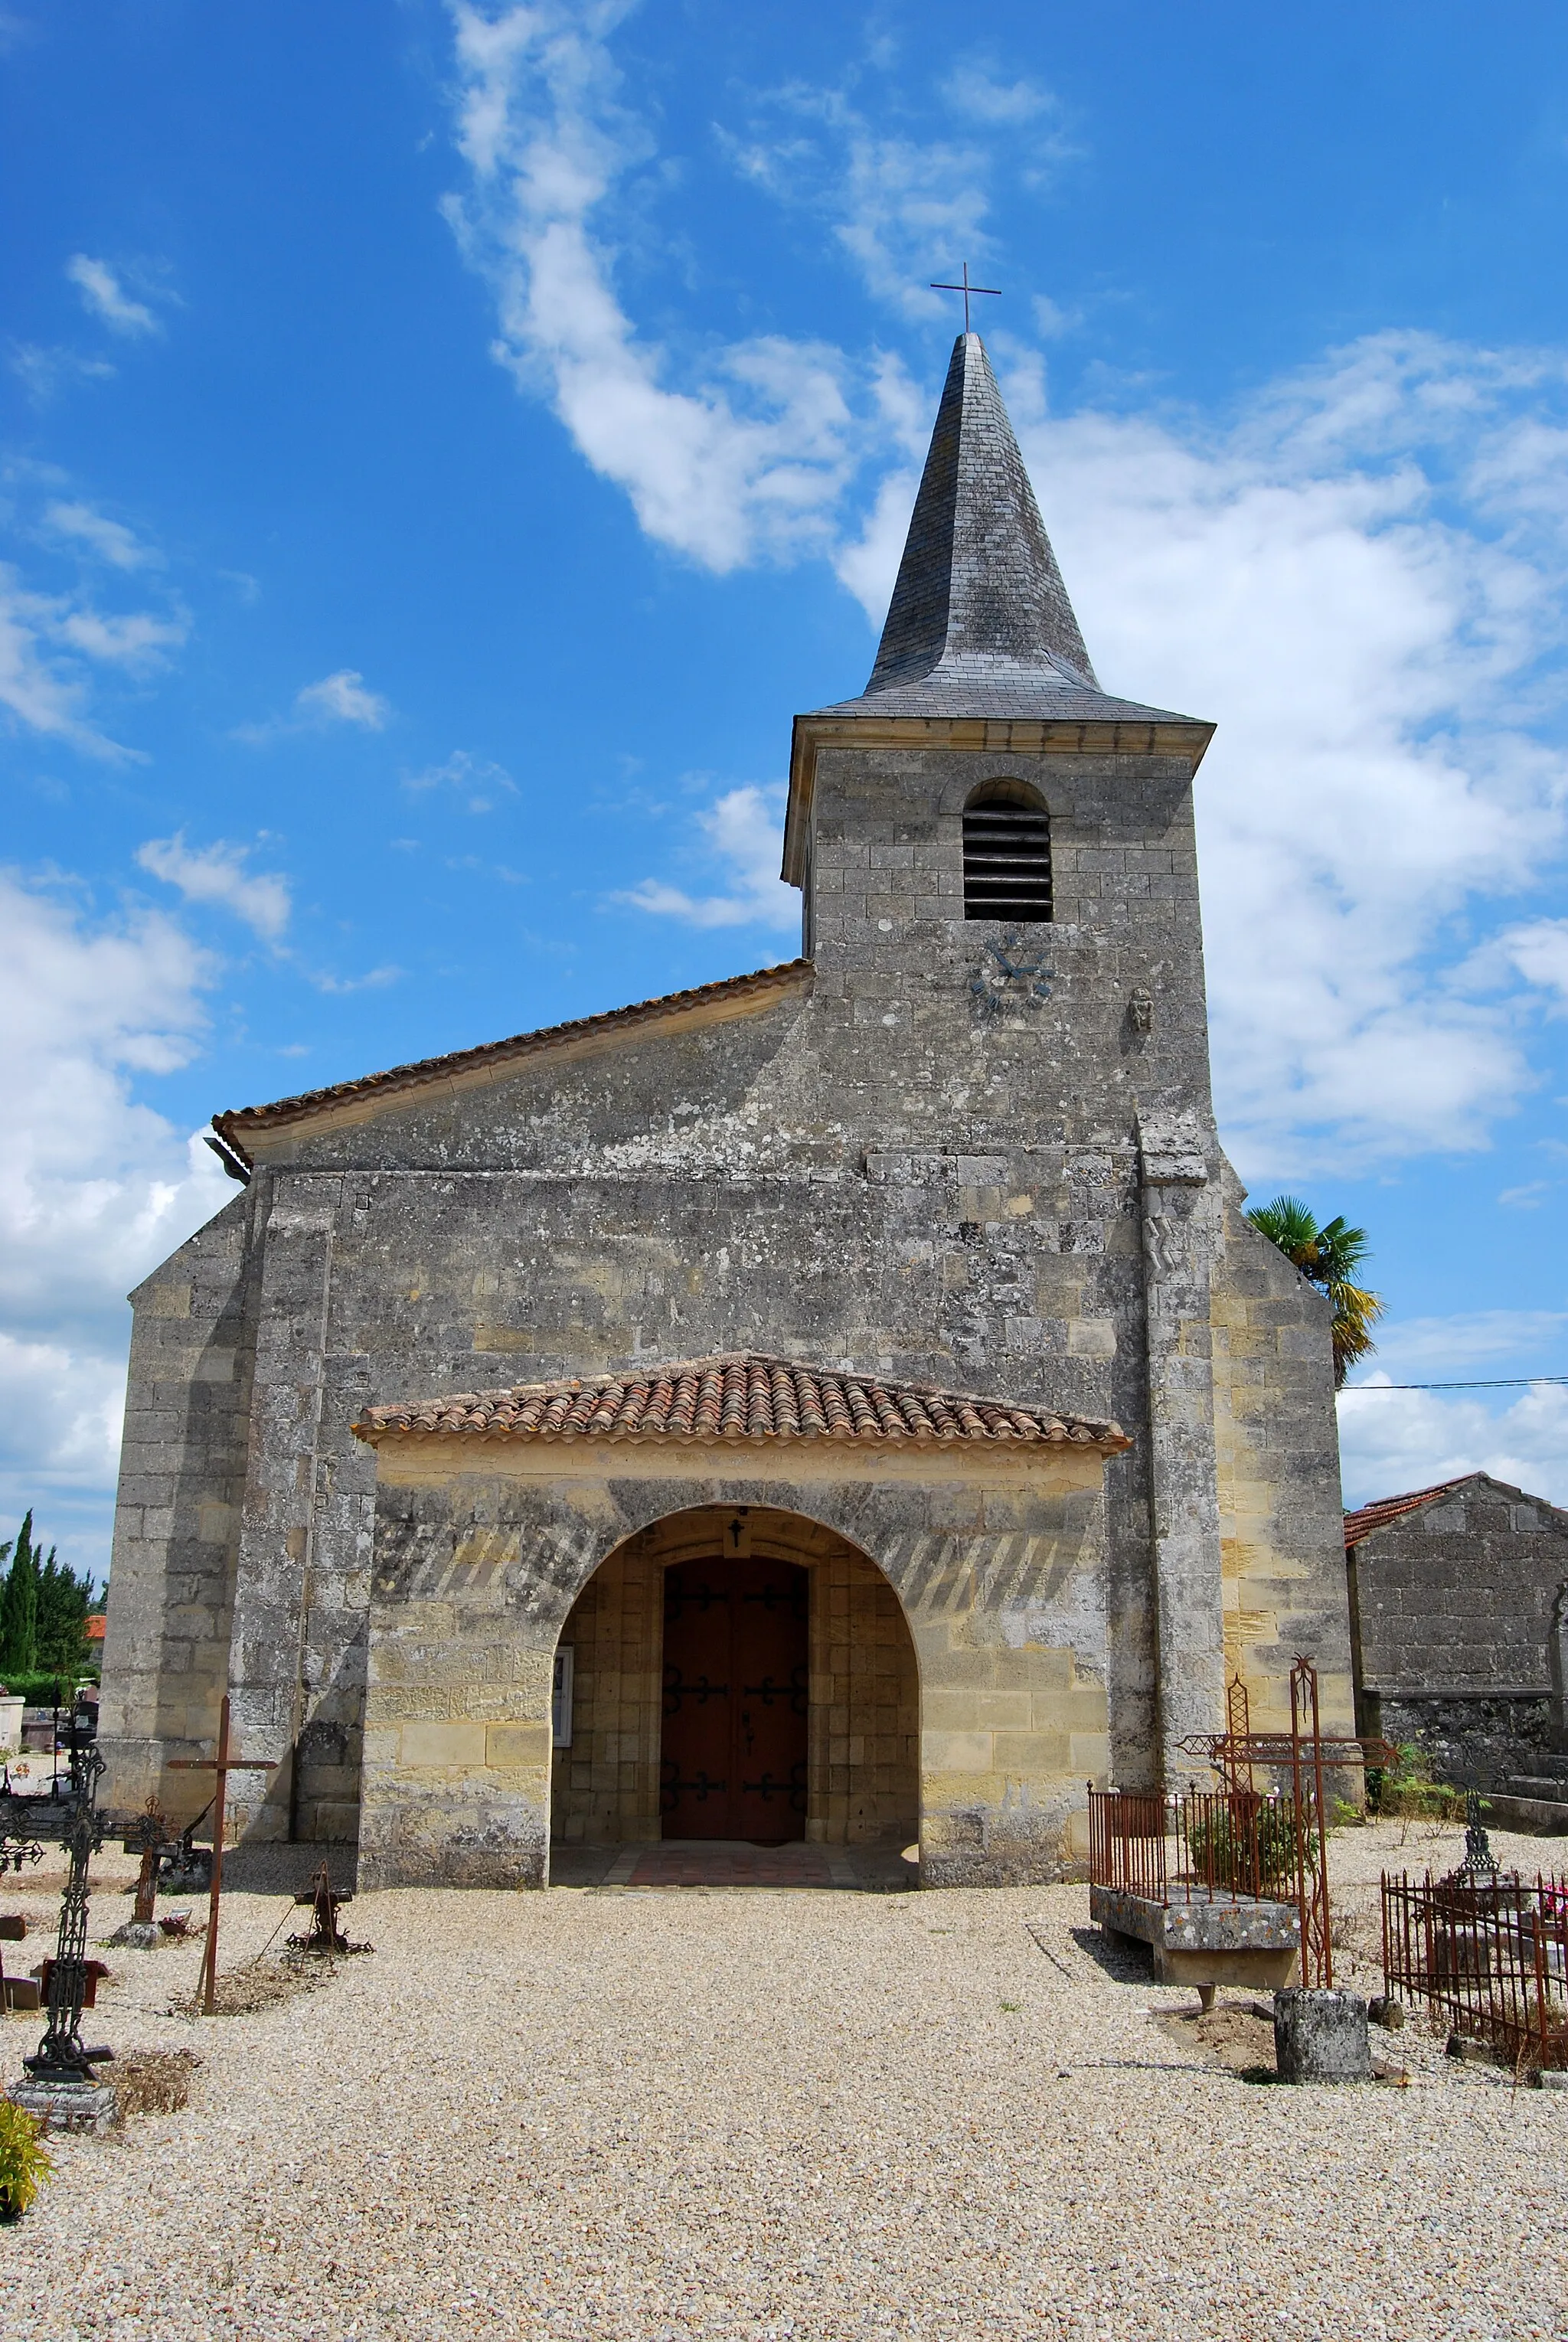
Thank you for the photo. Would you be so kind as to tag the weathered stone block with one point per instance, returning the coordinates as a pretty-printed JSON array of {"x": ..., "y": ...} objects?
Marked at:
[
  {"x": 517, "y": 1744},
  {"x": 447, "y": 1746}
]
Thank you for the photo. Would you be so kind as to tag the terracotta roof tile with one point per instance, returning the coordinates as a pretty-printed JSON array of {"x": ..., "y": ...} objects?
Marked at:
[
  {"x": 233, "y": 1124},
  {"x": 742, "y": 1395},
  {"x": 1362, "y": 1523}
]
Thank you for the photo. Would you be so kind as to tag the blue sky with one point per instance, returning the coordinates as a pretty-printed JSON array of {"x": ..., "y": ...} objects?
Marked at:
[{"x": 442, "y": 445}]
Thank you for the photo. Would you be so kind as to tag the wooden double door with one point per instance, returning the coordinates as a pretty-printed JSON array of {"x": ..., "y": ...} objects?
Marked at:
[{"x": 734, "y": 1749}]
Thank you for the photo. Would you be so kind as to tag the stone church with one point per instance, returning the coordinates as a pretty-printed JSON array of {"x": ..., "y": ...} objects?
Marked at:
[{"x": 842, "y": 1403}]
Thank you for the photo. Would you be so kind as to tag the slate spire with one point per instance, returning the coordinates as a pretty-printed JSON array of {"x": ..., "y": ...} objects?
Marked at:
[
  {"x": 980, "y": 624},
  {"x": 978, "y": 580}
]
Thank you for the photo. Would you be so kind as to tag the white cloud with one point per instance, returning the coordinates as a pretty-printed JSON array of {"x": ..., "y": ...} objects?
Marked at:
[
  {"x": 63, "y": 1412},
  {"x": 1383, "y": 661},
  {"x": 95, "y": 1187},
  {"x": 106, "y": 297},
  {"x": 905, "y": 206},
  {"x": 978, "y": 89},
  {"x": 59, "y": 649},
  {"x": 342, "y": 698},
  {"x": 217, "y": 874},
  {"x": 742, "y": 461},
  {"x": 373, "y": 980},
  {"x": 1051, "y": 319},
  {"x": 1539, "y": 950},
  {"x": 1412, "y": 1439},
  {"x": 868, "y": 564},
  {"x": 475, "y": 778},
  {"x": 42, "y": 685},
  {"x": 1392, "y": 1440},
  {"x": 899, "y": 204},
  {"x": 742, "y": 833},
  {"x": 82, "y": 523},
  {"x": 137, "y": 638},
  {"x": 43, "y": 370}
]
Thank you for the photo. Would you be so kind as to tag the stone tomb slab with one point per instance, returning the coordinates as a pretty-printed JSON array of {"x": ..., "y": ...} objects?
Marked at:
[{"x": 1241, "y": 1940}]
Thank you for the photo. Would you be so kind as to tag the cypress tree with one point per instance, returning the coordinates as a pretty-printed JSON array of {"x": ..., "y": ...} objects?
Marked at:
[
  {"x": 19, "y": 1607},
  {"x": 63, "y": 1601}
]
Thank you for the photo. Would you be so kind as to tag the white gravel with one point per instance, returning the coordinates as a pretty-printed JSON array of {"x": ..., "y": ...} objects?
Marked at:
[{"x": 616, "y": 2114}]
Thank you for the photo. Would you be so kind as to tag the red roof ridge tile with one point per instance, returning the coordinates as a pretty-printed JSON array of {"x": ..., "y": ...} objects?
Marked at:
[
  {"x": 738, "y": 1394},
  {"x": 234, "y": 1120}
]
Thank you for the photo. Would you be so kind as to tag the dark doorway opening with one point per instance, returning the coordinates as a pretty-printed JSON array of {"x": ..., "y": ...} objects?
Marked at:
[{"x": 733, "y": 1753}]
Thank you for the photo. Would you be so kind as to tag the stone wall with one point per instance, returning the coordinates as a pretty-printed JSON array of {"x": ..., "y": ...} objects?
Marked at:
[
  {"x": 1278, "y": 1455},
  {"x": 605, "y": 1787},
  {"x": 863, "y": 1722},
  {"x": 1491, "y": 1741},
  {"x": 183, "y": 1471},
  {"x": 1452, "y": 1609}
]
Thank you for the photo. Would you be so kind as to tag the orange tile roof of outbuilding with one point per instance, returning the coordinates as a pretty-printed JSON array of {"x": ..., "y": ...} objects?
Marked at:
[
  {"x": 739, "y": 1395},
  {"x": 1362, "y": 1523}
]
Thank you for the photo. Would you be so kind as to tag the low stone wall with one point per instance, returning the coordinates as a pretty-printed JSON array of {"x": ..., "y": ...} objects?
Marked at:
[{"x": 1485, "y": 1736}]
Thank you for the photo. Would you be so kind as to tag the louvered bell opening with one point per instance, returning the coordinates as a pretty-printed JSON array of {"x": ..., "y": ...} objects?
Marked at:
[{"x": 1006, "y": 862}]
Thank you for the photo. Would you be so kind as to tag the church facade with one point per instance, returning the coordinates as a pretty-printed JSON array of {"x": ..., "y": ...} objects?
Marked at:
[{"x": 845, "y": 1402}]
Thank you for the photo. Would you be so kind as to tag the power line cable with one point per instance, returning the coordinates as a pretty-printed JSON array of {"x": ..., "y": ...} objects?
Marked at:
[{"x": 1500, "y": 1382}]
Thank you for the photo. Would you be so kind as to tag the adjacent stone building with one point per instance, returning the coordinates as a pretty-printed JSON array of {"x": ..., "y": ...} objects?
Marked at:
[
  {"x": 845, "y": 1401},
  {"x": 1459, "y": 1610}
]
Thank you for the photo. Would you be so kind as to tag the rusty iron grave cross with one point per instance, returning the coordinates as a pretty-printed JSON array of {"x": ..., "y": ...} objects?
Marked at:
[
  {"x": 223, "y": 1764},
  {"x": 968, "y": 291},
  {"x": 147, "y": 1836}
]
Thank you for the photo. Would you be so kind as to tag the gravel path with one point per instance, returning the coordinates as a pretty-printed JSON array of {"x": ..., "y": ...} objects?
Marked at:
[{"x": 631, "y": 2114}]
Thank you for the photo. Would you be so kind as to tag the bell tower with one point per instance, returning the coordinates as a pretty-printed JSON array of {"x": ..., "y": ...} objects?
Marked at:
[
  {"x": 1000, "y": 878},
  {"x": 985, "y": 819}
]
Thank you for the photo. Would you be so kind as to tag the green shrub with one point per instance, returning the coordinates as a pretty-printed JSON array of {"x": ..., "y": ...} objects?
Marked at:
[
  {"x": 38, "y": 1690},
  {"x": 1405, "y": 1791},
  {"x": 23, "y": 2162},
  {"x": 1231, "y": 1845}
]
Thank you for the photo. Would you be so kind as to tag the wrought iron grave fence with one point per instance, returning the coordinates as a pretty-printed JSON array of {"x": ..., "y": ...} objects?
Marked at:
[
  {"x": 1205, "y": 1845},
  {"x": 1489, "y": 1955}
]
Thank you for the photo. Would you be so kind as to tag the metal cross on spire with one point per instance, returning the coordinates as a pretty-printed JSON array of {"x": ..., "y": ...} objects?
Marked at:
[{"x": 968, "y": 289}]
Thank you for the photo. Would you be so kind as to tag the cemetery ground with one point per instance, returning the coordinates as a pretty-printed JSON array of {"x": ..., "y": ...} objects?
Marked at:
[{"x": 627, "y": 2114}]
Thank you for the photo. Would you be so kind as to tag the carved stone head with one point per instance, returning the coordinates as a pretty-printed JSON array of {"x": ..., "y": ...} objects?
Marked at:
[{"x": 1141, "y": 1009}]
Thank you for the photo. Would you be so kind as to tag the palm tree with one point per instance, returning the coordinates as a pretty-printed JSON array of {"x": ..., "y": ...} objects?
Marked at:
[{"x": 1329, "y": 1257}]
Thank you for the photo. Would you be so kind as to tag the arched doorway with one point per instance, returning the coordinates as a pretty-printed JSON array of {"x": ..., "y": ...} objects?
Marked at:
[{"x": 815, "y": 1732}]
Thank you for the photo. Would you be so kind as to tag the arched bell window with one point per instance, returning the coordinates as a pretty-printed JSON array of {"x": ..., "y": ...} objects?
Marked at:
[{"x": 1006, "y": 853}]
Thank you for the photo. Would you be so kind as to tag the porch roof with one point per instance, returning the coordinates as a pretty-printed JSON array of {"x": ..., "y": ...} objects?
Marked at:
[{"x": 740, "y": 1396}]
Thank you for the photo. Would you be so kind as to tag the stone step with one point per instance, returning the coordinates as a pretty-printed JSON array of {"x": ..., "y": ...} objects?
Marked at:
[
  {"x": 1546, "y": 1789},
  {"x": 1534, "y": 1816}
]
